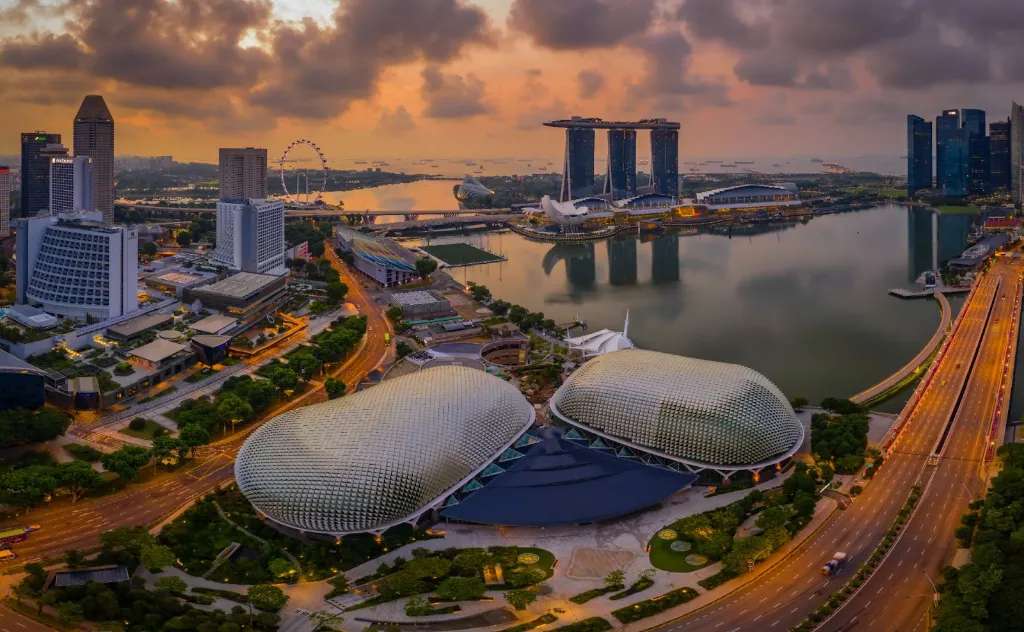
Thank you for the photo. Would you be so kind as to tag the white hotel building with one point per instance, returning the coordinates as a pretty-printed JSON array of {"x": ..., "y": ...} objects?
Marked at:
[
  {"x": 250, "y": 236},
  {"x": 77, "y": 268}
]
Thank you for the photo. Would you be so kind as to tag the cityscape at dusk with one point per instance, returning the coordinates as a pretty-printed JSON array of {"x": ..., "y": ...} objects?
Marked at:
[{"x": 511, "y": 315}]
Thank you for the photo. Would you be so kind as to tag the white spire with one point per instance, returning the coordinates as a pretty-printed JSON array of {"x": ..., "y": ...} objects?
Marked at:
[{"x": 625, "y": 326}]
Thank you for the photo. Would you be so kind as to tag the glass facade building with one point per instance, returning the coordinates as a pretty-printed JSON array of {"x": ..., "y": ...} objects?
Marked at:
[
  {"x": 919, "y": 153},
  {"x": 1016, "y": 149},
  {"x": 999, "y": 155},
  {"x": 36, "y": 150},
  {"x": 94, "y": 137},
  {"x": 578, "y": 170},
  {"x": 950, "y": 154},
  {"x": 621, "y": 180},
  {"x": 665, "y": 161}
]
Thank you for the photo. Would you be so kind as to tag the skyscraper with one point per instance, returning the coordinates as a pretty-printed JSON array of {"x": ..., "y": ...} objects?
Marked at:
[
  {"x": 999, "y": 155},
  {"x": 972, "y": 121},
  {"x": 71, "y": 185},
  {"x": 36, "y": 150},
  {"x": 1016, "y": 149},
  {"x": 621, "y": 180},
  {"x": 578, "y": 170},
  {"x": 665, "y": 161},
  {"x": 919, "y": 154},
  {"x": 243, "y": 173},
  {"x": 94, "y": 137},
  {"x": 250, "y": 236},
  {"x": 5, "y": 200},
  {"x": 947, "y": 126}
]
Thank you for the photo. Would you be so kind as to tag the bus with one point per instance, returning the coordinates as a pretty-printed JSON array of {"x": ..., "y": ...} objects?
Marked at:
[{"x": 15, "y": 534}]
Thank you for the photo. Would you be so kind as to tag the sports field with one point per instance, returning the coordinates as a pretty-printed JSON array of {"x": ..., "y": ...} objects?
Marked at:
[{"x": 457, "y": 255}]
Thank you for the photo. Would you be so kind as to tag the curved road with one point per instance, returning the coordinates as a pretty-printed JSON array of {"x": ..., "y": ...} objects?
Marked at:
[
  {"x": 784, "y": 594},
  {"x": 66, "y": 526}
]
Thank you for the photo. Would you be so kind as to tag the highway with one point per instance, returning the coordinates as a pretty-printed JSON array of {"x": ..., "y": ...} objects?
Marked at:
[
  {"x": 782, "y": 595},
  {"x": 899, "y": 594},
  {"x": 68, "y": 526}
]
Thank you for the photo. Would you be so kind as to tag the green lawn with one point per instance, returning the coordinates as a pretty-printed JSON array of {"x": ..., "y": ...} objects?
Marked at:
[
  {"x": 147, "y": 433},
  {"x": 664, "y": 558},
  {"x": 460, "y": 254},
  {"x": 958, "y": 209}
]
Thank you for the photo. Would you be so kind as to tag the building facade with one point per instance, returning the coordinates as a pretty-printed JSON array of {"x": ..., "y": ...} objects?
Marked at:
[
  {"x": 243, "y": 173},
  {"x": 250, "y": 235},
  {"x": 77, "y": 269},
  {"x": 919, "y": 153},
  {"x": 621, "y": 180},
  {"x": 578, "y": 170},
  {"x": 71, "y": 185},
  {"x": 947, "y": 150},
  {"x": 94, "y": 137},
  {"x": 665, "y": 161},
  {"x": 999, "y": 155},
  {"x": 37, "y": 148},
  {"x": 5, "y": 200},
  {"x": 1016, "y": 149}
]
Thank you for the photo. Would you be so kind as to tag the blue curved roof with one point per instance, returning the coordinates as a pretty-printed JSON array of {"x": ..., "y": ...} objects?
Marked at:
[{"x": 559, "y": 481}]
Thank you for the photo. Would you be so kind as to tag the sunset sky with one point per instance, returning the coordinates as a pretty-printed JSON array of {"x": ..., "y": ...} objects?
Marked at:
[{"x": 473, "y": 78}]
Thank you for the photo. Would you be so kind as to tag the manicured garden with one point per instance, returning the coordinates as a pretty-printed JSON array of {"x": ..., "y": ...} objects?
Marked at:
[
  {"x": 655, "y": 605},
  {"x": 142, "y": 428},
  {"x": 200, "y": 534}
]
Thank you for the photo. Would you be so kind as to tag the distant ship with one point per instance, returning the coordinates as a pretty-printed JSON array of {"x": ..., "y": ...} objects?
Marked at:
[
  {"x": 816, "y": 160},
  {"x": 831, "y": 167},
  {"x": 744, "y": 162}
]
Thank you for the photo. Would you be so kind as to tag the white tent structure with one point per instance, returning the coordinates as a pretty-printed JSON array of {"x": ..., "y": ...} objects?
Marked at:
[{"x": 601, "y": 342}]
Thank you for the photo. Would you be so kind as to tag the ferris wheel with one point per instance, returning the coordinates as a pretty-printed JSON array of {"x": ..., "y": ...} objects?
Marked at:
[{"x": 305, "y": 165}]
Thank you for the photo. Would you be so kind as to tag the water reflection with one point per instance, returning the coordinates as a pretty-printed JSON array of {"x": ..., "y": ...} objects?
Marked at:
[
  {"x": 580, "y": 268},
  {"x": 622, "y": 260},
  {"x": 933, "y": 239},
  {"x": 665, "y": 259}
]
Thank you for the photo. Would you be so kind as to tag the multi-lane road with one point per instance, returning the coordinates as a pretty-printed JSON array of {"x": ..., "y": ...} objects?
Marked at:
[
  {"x": 785, "y": 593},
  {"x": 78, "y": 526}
]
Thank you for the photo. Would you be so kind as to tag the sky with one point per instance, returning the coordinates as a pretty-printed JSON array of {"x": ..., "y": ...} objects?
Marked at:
[{"x": 474, "y": 78}]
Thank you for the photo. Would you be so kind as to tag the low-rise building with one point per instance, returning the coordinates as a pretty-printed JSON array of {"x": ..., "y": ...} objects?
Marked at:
[
  {"x": 177, "y": 280},
  {"x": 750, "y": 196},
  {"x": 139, "y": 326},
  {"x": 420, "y": 305},
  {"x": 160, "y": 355},
  {"x": 381, "y": 259},
  {"x": 247, "y": 296},
  {"x": 214, "y": 325},
  {"x": 22, "y": 385}
]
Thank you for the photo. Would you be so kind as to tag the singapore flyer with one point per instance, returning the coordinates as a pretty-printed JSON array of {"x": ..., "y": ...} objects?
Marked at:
[{"x": 303, "y": 169}]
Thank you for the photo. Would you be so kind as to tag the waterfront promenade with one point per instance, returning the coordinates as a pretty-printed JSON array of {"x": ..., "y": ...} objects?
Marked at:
[{"x": 916, "y": 364}]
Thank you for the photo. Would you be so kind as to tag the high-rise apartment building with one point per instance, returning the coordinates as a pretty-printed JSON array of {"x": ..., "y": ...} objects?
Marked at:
[
  {"x": 94, "y": 137},
  {"x": 243, "y": 173},
  {"x": 5, "y": 200},
  {"x": 919, "y": 154},
  {"x": 578, "y": 170},
  {"x": 250, "y": 236},
  {"x": 71, "y": 185},
  {"x": 621, "y": 180},
  {"x": 77, "y": 269},
  {"x": 1016, "y": 150},
  {"x": 999, "y": 155},
  {"x": 665, "y": 161},
  {"x": 36, "y": 150}
]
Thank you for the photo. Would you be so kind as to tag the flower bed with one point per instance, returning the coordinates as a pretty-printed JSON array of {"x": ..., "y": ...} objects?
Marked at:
[
  {"x": 639, "y": 585},
  {"x": 594, "y": 593},
  {"x": 655, "y": 605}
]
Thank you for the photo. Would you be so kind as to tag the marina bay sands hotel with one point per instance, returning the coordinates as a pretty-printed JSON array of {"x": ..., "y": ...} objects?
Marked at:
[{"x": 578, "y": 170}]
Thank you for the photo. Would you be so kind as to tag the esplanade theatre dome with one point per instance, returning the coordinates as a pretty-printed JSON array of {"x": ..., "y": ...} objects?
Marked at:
[
  {"x": 383, "y": 456},
  {"x": 701, "y": 413}
]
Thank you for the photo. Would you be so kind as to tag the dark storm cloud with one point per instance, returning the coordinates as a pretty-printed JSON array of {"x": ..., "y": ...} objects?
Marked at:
[
  {"x": 321, "y": 70},
  {"x": 452, "y": 96},
  {"x": 720, "y": 20},
  {"x": 767, "y": 69},
  {"x": 576, "y": 24},
  {"x": 842, "y": 26},
  {"x": 183, "y": 44},
  {"x": 590, "y": 82},
  {"x": 925, "y": 60}
]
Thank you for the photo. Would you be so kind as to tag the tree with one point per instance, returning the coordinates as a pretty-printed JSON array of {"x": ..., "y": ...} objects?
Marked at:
[
  {"x": 193, "y": 435},
  {"x": 169, "y": 450},
  {"x": 233, "y": 409},
  {"x": 126, "y": 461},
  {"x": 184, "y": 238},
  {"x": 74, "y": 558},
  {"x": 280, "y": 567},
  {"x": 171, "y": 584},
  {"x": 148, "y": 249},
  {"x": 266, "y": 597},
  {"x": 156, "y": 556},
  {"x": 519, "y": 599},
  {"x": 428, "y": 567},
  {"x": 27, "y": 486},
  {"x": 461, "y": 588},
  {"x": 335, "y": 388},
  {"x": 799, "y": 402},
  {"x": 305, "y": 364},
  {"x": 425, "y": 266},
  {"x": 78, "y": 478},
  {"x": 282, "y": 377},
  {"x": 772, "y": 517},
  {"x": 394, "y": 313},
  {"x": 615, "y": 578},
  {"x": 336, "y": 291}
]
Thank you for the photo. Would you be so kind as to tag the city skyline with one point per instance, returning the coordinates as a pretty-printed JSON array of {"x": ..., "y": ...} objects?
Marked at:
[{"x": 229, "y": 75}]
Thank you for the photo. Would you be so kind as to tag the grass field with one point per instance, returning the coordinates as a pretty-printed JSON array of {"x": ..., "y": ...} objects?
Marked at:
[
  {"x": 455, "y": 255},
  {"x": 958, "y": 209}
]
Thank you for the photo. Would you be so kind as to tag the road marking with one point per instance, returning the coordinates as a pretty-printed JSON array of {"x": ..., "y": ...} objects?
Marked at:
[{"x": 773, "y": 624}]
